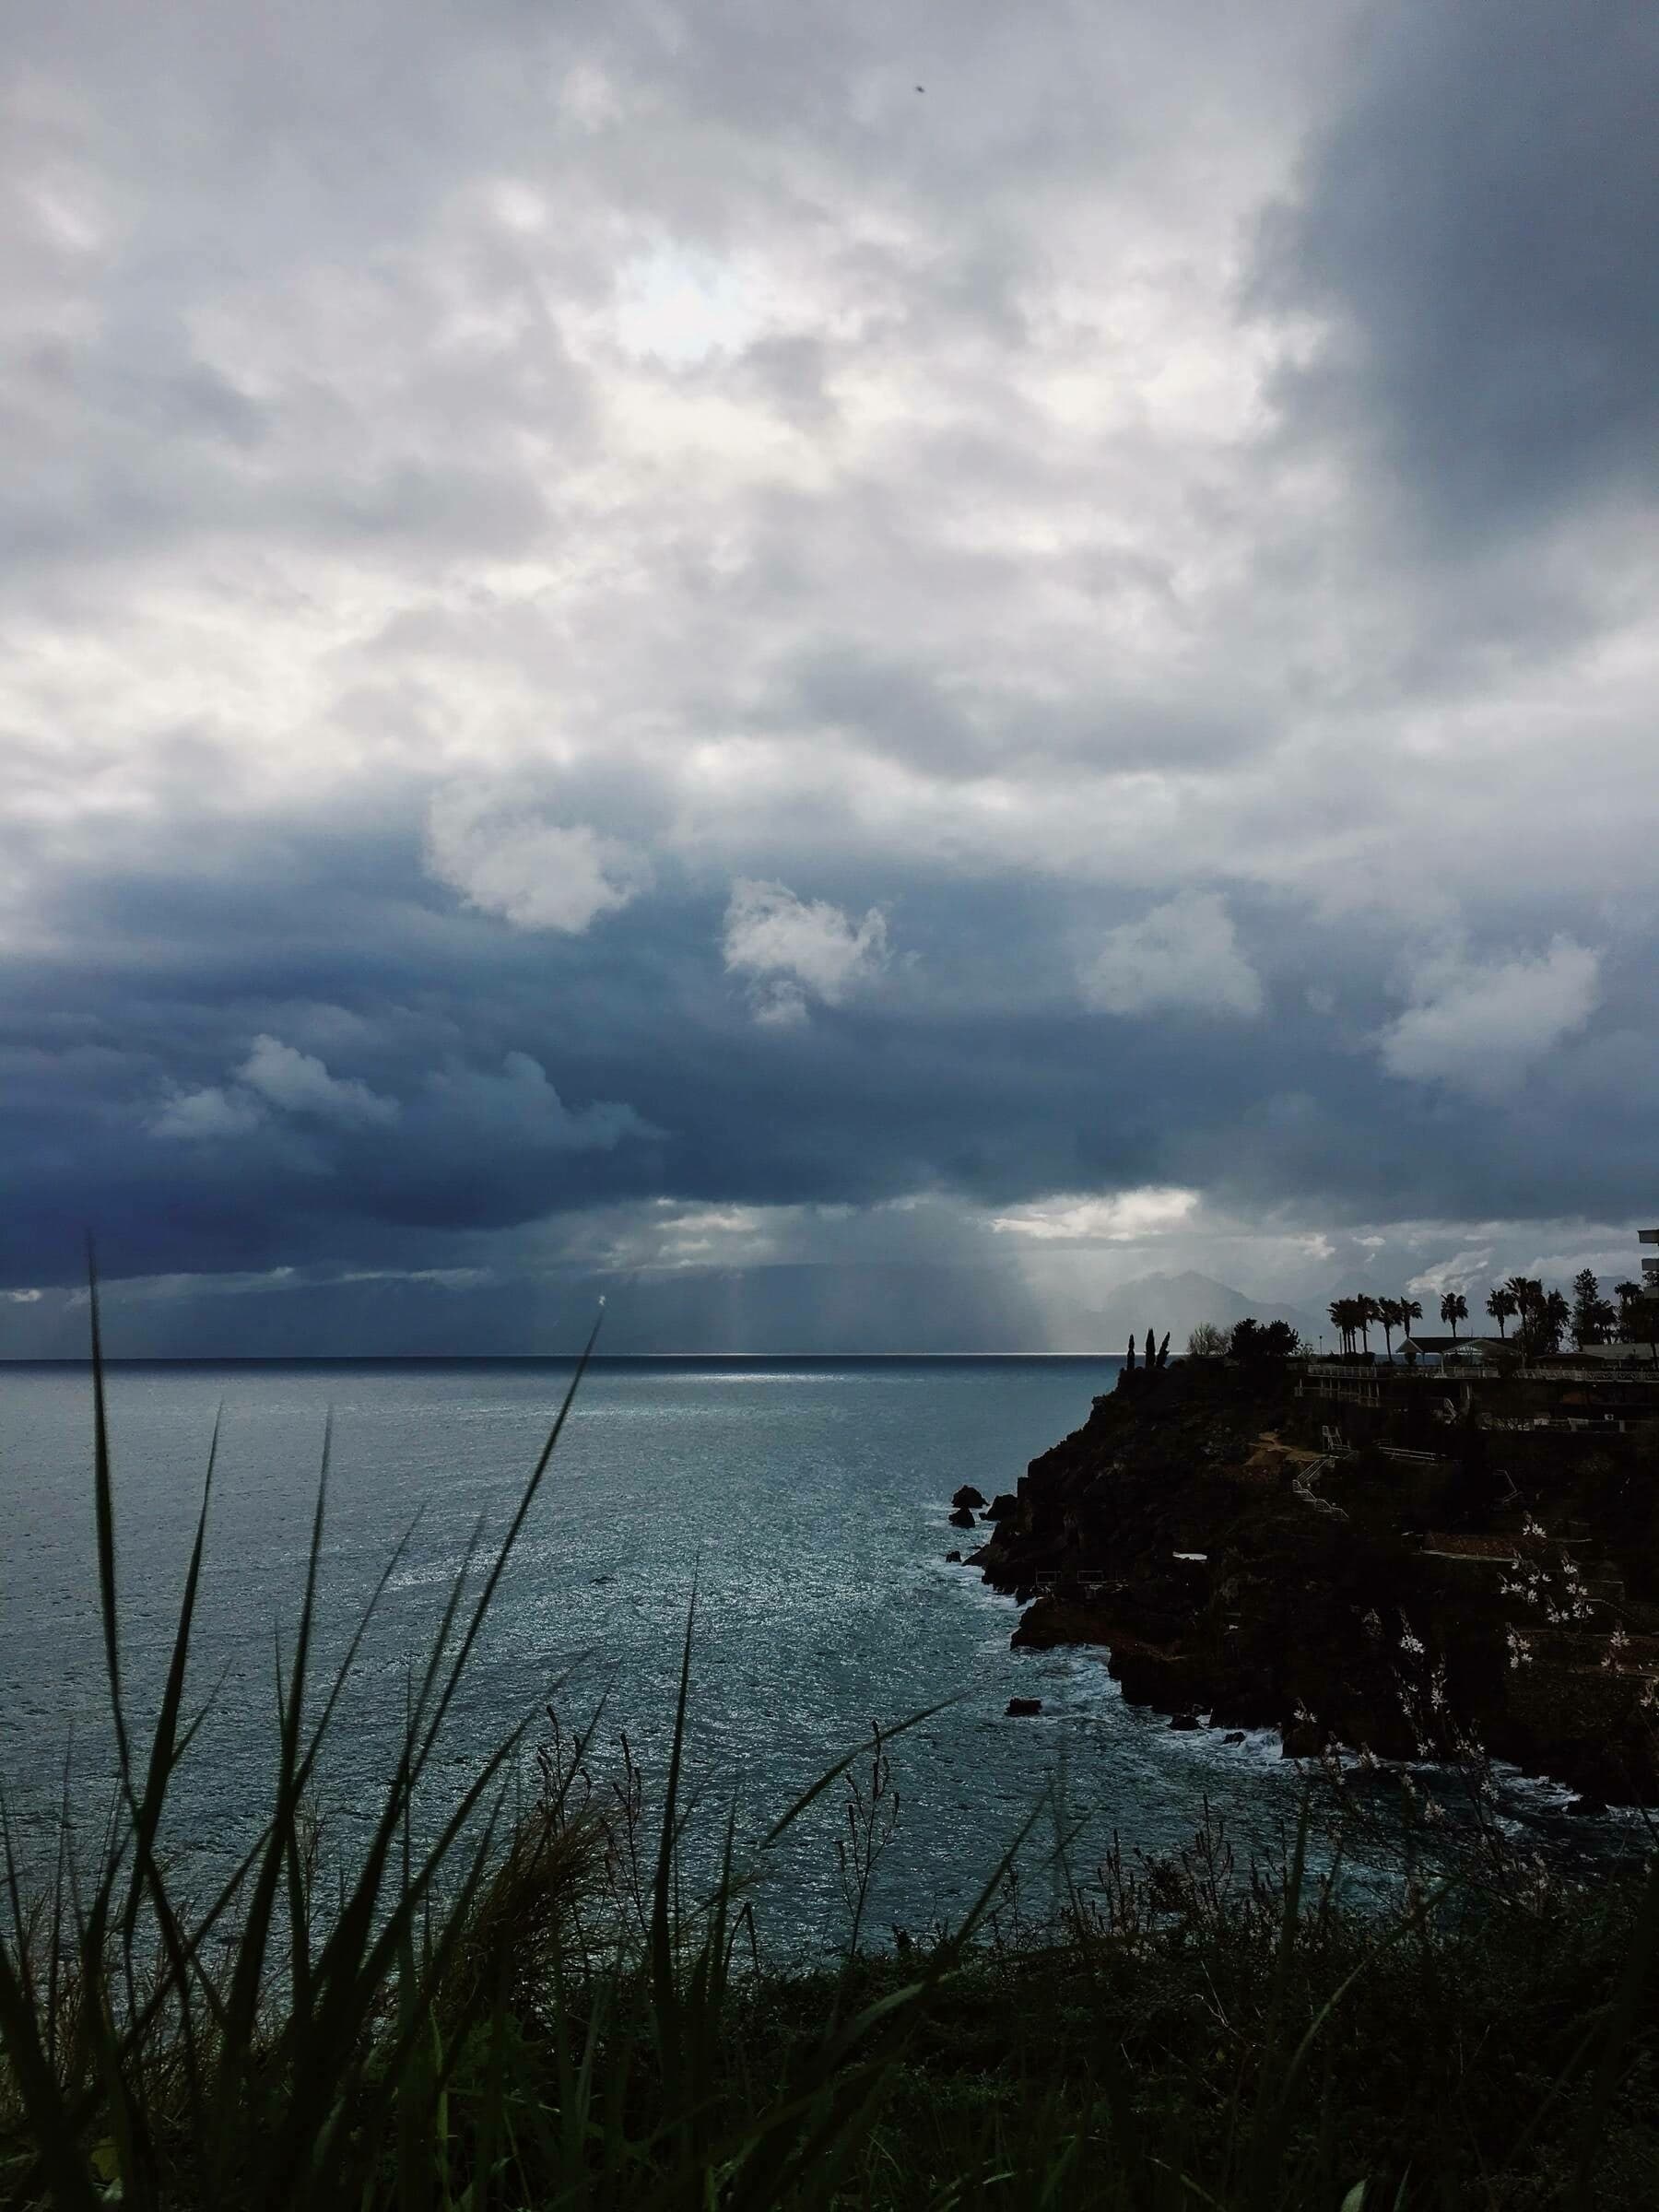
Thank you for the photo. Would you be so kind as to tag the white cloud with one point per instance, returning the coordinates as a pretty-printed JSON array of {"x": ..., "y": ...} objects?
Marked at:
[
  {"x": 681, "y": 308},
  {"x": 535, "y": 874},
  {"x": 1611, "y": 1260},
  {"x": 204, "y": 1116},
  {"x": 1125, "y": 1218},
  {"x": 274, "y": 1076},
  {"x": 779, "y": 1006},
  {"x": 166, "y": 1288},
  {"x": 297, "y": 1082},
  {"x": 1467, "y": 1271},
  {"x": 1184, "y": 953},
  {"x": 1479, "y": 1026},
  {"x": 798, "y": 949}
]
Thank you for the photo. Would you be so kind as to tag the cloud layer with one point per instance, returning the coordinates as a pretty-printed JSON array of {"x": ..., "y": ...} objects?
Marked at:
[{"x": 615, "y": 608}]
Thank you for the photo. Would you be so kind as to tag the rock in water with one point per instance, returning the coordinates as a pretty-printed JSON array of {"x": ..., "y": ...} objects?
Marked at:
[
  {"x": 967, "y": 1494},
  {"x": 962, "y": 1517},
  {"x": 1022, "y": 1709}
]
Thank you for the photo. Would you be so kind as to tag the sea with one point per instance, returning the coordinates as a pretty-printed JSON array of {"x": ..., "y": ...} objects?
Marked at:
[{"x": 789, "y": 1516}]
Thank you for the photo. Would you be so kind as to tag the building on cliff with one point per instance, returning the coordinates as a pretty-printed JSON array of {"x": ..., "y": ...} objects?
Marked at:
[{"x": 1478, "y": 1349}]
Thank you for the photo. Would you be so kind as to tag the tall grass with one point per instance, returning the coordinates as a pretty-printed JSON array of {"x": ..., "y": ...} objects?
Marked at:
[{"x": 542, "y": 2004}]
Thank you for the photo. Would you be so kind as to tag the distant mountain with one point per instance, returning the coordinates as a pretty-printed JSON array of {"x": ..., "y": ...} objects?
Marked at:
[{"x": 1179, "y": 1303}]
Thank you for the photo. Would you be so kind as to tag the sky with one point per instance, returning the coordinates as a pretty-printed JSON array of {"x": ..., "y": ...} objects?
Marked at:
[{"x": 845, "y": 672}]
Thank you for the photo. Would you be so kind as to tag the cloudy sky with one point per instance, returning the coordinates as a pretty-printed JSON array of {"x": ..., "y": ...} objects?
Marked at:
[{"x": 853, "y": 669}]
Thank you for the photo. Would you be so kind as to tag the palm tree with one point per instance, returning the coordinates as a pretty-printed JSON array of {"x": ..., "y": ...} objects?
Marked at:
[
  {"x": 1528, "y": 1294},
  {"x": 1389, "y": 1314},
  {"x": 1366, "y": 1311},
  {"x": 1351, "y": 1322},
  {"x": 1342, "y": 1321},
  {"x": 1410, "y": 1309},
  {"x": 1539, "y": 1319},
  {"x": 1501, "y": 1304},
  {"x": 1455, "y": 1307}
]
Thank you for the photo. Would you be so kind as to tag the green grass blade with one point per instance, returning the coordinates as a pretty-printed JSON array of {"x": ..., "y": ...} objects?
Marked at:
[
  {"x": 164, "y": 1749},
  {"x": 53, "y": 2136},
  {"x": 103, "y": 1493},
  {"x": 810, "y": 1796},
  {"x": 499, "y": 1566},
  {"x": 662, "y": 1943}
]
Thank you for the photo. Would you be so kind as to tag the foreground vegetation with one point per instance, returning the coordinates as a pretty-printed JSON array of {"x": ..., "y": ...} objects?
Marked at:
[{"x": 548, "y": 2004}]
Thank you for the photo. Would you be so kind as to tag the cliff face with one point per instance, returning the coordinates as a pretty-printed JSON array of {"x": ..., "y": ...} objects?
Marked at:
[{"x": 1443, "y": 1569}]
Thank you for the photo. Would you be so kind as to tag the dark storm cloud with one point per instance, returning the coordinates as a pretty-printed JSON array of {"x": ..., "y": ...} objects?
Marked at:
[
  {"x": 393, "y": 1083},
  {"x": 1480, "y": 223}
]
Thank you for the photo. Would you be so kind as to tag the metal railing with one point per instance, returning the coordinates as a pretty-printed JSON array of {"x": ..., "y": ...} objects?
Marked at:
[{"x": 1461, "y": 1370}]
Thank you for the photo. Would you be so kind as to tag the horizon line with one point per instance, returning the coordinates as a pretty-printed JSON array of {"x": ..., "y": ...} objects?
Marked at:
[{"x": 493, "y": 1359}]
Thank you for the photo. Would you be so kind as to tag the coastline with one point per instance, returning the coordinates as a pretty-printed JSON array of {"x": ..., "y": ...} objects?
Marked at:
[{"x": 1406, "y": 1594}]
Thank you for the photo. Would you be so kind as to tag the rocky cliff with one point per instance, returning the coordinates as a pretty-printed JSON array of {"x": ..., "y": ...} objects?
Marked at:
[{"x": 1406, "y": 1574}]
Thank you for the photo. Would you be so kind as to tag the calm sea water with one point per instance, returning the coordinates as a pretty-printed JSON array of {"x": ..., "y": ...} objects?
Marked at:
[{"x": 806, "y": 1501}]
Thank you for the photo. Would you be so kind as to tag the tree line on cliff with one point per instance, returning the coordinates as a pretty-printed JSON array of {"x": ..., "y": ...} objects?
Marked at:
[{"x": 1543, "y": 1317}]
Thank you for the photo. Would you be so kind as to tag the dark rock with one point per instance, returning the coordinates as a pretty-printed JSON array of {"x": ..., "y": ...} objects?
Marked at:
[
  {"x": 1301, "y": 1739},
  {"x": 1002, "y": 1506},
  {"x": 1149, "y": 1674},
  {"x": 1233, "y": 1735},
  {"x": 962, "y": 1517},
  {"x": 967, "y": 1494},
  {"x": 1586, "y": 1808},
  {"x": 1022, "y": 1709},
  {"x": 1186, "y": 1721},
  {"x": 1052, "y": 1620},
  {"x": 953, "y": 1558}
]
